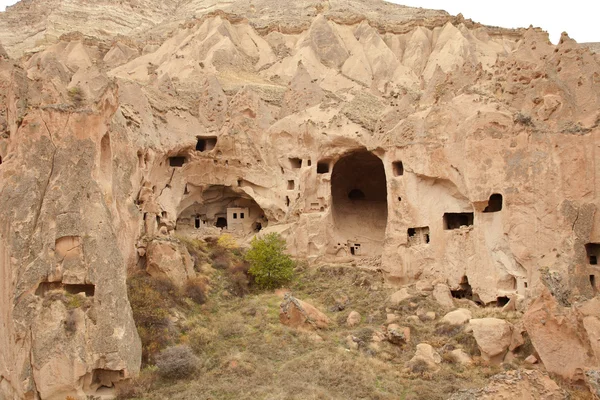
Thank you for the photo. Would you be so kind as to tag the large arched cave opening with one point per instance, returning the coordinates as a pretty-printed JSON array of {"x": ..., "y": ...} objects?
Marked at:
[
  {"x": 221, "y": 207},
  {"x": 359, "y": 203}
]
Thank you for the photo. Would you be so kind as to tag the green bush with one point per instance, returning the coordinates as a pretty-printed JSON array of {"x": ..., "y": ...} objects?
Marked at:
[{"x": 269, "y": 265}]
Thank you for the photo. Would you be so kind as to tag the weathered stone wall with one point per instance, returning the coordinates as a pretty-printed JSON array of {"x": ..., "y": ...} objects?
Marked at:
[{"x": 100, "y": 159}]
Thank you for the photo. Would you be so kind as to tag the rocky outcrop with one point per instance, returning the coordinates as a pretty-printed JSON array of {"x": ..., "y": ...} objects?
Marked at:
[
  {"x": 298, "y": 314},
  {"x": 493, "y": 337},
  {"x": 169, "y": 260},
  {"x": 566, "y": 338},
  {"x": 420, "y": 144},
  {"x": 519, "y": 385}
]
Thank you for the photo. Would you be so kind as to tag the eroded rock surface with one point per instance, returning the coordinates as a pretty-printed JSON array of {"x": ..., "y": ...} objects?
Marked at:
[{"x": 427, "y": 146}]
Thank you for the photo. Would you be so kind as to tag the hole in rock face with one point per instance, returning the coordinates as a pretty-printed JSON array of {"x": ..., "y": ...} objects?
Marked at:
[
  {"x": 291, "y": 185},
  {"x": 206, "y": 143},
  {"x": 593, "y": 253},
  {"x": 494, "y": 204},
  {"x": 502, "y": 301},
  {"x": 593, "y": 283},
  {"x": 398, "y": 168},
  {"x": 465, "y": 291},
  {"x": 417, "y": 236},
  {"x": 221, "y": 222},
  {"x": 44, "y": 287},
  {"x": 356, "y": 194},
  {"x": 177, "y": 161},
  {"x": 359, "y": 200},
  {"x": 105, "y": 155},
  {"x": 225, "y": 207},
  {"x": 295, "y": 163},
  {"x": 323, "y": 167},
  {"x": 456, "y": 220}
]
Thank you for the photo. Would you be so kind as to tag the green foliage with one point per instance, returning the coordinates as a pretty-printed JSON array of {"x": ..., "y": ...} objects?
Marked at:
[
  {"x": 74, "y": 301},
  {"x": 269, "y": 265}
]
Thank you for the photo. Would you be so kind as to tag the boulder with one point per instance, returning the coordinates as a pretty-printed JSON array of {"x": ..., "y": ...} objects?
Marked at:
[
  {"x": 442, "y": 294},
  {"x": 424, "y": 286},
  {"x": 459, "y": 356},
  {"x": 353, "y": 319},
  {"x": 531, "y": 360},
  {"x": 298, "y": 314},
  {"x": 391, "y": 318},
  {"x": 169, "y": 259},
  {"x": 493, "y": 337},
  {"x": 457, "y": 317},
  {"x": 560, "y": 337},
  {"x": 425, "y": 354},
  {"x": 398, "y": 297},
  {"x": 396, "y": 334}
]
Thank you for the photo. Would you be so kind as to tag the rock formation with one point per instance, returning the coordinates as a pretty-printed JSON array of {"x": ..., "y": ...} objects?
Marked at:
[{"x": 426, "y": 145}]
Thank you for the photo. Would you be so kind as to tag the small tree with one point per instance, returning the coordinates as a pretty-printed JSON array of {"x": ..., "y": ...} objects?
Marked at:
[{"x": 269, "y": 265}]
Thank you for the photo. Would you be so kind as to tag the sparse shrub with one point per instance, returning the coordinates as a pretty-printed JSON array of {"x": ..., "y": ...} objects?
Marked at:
[
  {"x": 177, "y": 362},
  {"x": 201, "y": 337},
  {"x": 150, "y": 313},
  {"x": 269, "y": 265},
  {"x": 227, "y": 242},
  {"x": 468, "y": 342},
  {"x": 523, "y": 119},
  {"x": 221, "y": 262},
  {"x": 239, "y": 280},
  {"x": 444, "y": 329},
  {"x": 70, "y": 323},
  {"x": 419, "y": 366},
  {"x": 74, "y": 301},
  {"x": 76, "y": 94},
  {"x": 196, "y": 249},
  {"x": 136, "y": 387},
  {"x": 195, "y": 290}
]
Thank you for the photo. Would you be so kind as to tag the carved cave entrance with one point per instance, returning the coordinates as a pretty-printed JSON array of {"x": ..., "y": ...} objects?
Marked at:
[
  {"x": 222, "y": 207},
  {"x": 359, "y": 204}
]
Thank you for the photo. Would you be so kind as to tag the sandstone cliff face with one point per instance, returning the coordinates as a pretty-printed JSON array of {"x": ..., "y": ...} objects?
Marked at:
[{"x": 422, "y": 144}]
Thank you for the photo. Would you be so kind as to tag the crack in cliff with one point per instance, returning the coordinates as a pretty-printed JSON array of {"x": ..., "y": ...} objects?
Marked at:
[
  {"x": 575, "y": 222},
  {"x": 35, "y": 387},
  {"x": 52, "y": 166},
  {"x": 168, "y": 183}
]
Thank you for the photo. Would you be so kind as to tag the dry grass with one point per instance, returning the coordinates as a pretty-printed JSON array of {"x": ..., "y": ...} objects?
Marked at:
[{"x": 246, "y": 353}]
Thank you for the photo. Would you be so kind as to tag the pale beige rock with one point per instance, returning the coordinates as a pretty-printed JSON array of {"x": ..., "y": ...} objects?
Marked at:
[
  {"x": 459, "y": 356},
  {"x": 559, "y": 336},
  {"x": 391, "y": 318},
  {"x": 457, "y": 317},
  {"x": 398, "y": 297},
  {"x": 426, "y": 353},
  {"x": 531, "y": 360},
  {"x": 170, "y": 260},
  {"x": 441, "y": 294},
  {"x": 397, "y": 334},
  {"x": 424, "y": 286},
  {"x": 298, "y": 314},
  {"x": 353, "y": 319},
  {"x": 181, "y": 119},
  {"x": 493, "y": 337}
]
